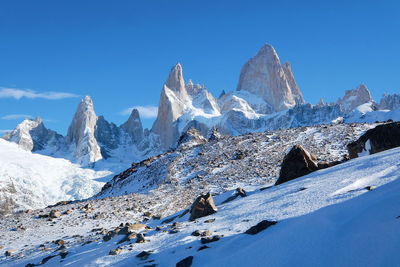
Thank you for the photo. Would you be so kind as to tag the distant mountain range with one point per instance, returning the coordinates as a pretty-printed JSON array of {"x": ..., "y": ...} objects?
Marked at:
[{"x": 266, "y": 98}]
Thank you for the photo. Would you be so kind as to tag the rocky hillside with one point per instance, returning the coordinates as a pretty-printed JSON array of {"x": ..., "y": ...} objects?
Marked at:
[{"x": 328, "y": 217}]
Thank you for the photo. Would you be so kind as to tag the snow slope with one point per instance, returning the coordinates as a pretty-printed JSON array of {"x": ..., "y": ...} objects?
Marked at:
[
  {"x": 35, "y": 181},
  {"x": 327, "y": 218}
]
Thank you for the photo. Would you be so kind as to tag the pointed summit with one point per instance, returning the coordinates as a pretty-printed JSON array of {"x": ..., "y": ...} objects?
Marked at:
[
  {"x": 354, "y": 97},
  {"x": 264, "y": 76},
  {"x": 81, "y": 133},
  {"x": 175, "y": 81},
  {"x": 133, "y": 126}
]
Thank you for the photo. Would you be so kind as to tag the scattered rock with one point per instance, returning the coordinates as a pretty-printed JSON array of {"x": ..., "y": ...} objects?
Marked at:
[
  {"x": 54, "y": 214},
  {"x": 298, "y": 162},
  {"x": 205, "y": 240},
  {"x": 186, "y": 262},
  {"x": 109, "y": 235},
  {"x": 241, "y": 192},
  {"x": 128, "y": 237},
  {"x": 206, "y": 233},
  {"x": 28, "y": 211},
  {"x": 202, "y": 206},
  {"x": 59, "y": 242},
  {"x": 259, "y": 227},
  {"x": 137, "y": 226},
  {"x": 143, "y": 255},
  {"x": 370, "y": 187},
  {"x": 209, "y": 220},
  {"x": 140, "y": 238},
  {"x": 9, "y": 252},
  {"x": 147, "y": 214},
  {"x": 378, "y": 139},
  {"x": 203, "y": 247},
  {"x": 116, "y": 251},
  {"x": 196, "y": 233}
]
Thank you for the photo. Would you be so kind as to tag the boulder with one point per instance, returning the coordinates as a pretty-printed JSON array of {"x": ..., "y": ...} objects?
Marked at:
[
  {"x": 186, "y": 262},
  {"x": 115, "y": 251},
  {"x": 378, "y": 139},
  {"x": 54, "y": 214},
  {"x": 296, "y": 163},
  {"x": 202, "y": 206},
  {"x": 259, "y": 227}
]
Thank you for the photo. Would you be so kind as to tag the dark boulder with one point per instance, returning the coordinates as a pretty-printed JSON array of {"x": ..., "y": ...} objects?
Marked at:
[
  {"x": 259, "y": 227},
  {"x": 202, "y": 206},
  {"x": 378, "y": 139},
  {"x": 186, "y": 262},
  {"x": 296, "y": 163}
]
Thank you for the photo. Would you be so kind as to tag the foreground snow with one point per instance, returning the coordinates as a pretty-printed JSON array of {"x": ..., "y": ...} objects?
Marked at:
[
  {"x": 35, "y": 181},
  {"x": 327, "y": 218}
]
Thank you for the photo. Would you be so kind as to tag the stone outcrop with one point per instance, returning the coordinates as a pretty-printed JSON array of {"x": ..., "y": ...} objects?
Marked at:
[
  {"x": 296, "y": 163},
  {"x": 378, "y": 139},
  {"x": 265, "y": 77},
  {"x": 202, "y": 206},
  {"x": 191, "y": 138}
]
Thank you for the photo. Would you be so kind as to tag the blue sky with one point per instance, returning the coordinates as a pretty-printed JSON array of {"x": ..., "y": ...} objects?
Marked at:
[{"x": 120, "y": 52}]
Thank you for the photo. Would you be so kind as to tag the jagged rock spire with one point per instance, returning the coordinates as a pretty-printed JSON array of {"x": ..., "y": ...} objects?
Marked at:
[
  {"x": 264, "y": 76},
  {"x": 354, "y": 97},
  {"x": 175, "y": 81},
  {"x": 81, "y": 133},
  {"x": 133, "y": 126}
]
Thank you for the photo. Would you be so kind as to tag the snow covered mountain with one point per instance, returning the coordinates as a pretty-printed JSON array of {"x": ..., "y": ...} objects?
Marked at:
[
  {"x": 29, "y": 180},
  {"x": 266, "y": 98}
]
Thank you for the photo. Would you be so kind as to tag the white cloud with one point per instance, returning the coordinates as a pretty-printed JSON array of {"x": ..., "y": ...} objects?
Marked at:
[
  {"x": 16, "y": 116},
  {"x": 146, "y": 112},
  {"x": 5, "y": 131},
  {"x": 20, "y": 93}
]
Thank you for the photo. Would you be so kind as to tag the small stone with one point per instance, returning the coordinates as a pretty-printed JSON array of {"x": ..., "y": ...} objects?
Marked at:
[
  {"x": 116, "y": 251},
  {"x": 196, "y": 233},
  {"x": 259, "y": 227},
  {"x": 140, "y": 238},
  {"x": 241, "y": 192},
  {"x": 205, "y": 240},
  {"x": 143, "y": 255},
  {"x": 207, "y": 233},
  {"x": 147, "y": 214},
  {"x": 109, "y": 236},
  {"x": 59, "y": 242},
  {"x": 29, "y": 211},
  {"x": 210, "y": 220},
  {"x": 370, "y": 187},
  {"x": 9, "y": 252},
  {"x": 186, "y": 262},
  {"x": 54, "y": 214}
]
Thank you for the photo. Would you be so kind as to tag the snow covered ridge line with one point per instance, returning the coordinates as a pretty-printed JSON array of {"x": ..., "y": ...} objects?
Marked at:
[
  {"x": 266, "y": 98},
  {"x": 330, "y": 217}
]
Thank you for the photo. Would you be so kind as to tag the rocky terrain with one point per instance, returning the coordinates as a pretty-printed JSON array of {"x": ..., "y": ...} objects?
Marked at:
[{"x": 158, "y": 229}]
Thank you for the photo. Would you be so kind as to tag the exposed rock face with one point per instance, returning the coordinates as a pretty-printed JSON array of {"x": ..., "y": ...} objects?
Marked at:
[
  {"x": 355, "y": 97},
  {"x": 297, "y": 162},
  {"x": 171, "y": 107},
  {"x": 32, "y": 135},
  {"x": 202, "y": 206},
  {"x": 378, "y": 139},
  {"x": 298, "y": 96},
  {"x": 264, "y": 76},
  {"x": 81, "y": 133},
  {"x": 391, "y": 102},
  {"x": 107, "y": 136},
  {"x": 191, "y": 138},
  {"x": 133, "y": 126}
]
